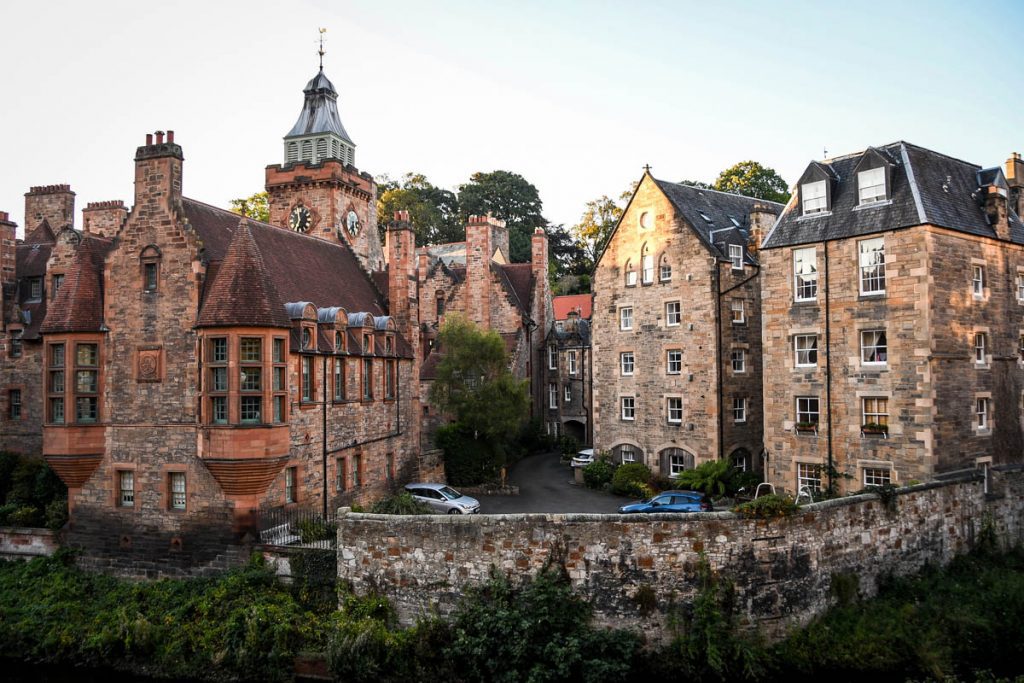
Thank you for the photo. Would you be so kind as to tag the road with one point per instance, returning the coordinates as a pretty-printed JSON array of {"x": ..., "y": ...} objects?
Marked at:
[{"x": 546, "y": 485}]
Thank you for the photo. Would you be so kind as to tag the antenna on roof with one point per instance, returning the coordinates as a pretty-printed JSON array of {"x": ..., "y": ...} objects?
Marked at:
[
  {"x": 824, "y": 150},
  {"x": 321, "y": 50}
]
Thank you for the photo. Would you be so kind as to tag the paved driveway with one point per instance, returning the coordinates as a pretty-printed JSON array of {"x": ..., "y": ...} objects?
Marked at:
[{"x": 546, "y": 485}]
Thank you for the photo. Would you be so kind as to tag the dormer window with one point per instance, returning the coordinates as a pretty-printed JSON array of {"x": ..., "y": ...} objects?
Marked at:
[
  {"x": 339, "y": 342},
  {"x": 367, "y": 344},
  {"x": 871, "y": 184},
  {"x": 307, "y": 337},
  {"x": 35, "y": 289},
  {"x": 736, "y": 256},
  {"x": 56, "y": 282},
  {"x": 814, "y": 197}
]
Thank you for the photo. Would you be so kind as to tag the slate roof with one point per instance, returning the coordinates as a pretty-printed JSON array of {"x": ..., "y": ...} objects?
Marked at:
[
  {"x": 301, "y": 268},
  {"x": 562, "y": 305},
  {"x": 575, "y": 333},
  {"x": 719, "y": 218},
  {"x": 926, "y": 187},
  {"x": 30, "y": 258},
  {"x": 319, "y": 111},
  {"x": 518, "y": 281}
]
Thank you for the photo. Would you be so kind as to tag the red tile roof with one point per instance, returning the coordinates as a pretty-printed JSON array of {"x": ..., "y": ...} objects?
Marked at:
[
  {"x": 78, "y": 306},
  {"x": 562, "y": 305},
  {"x": 518, "y": 278}
]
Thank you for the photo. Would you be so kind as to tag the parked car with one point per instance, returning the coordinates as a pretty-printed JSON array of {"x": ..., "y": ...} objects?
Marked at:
[
  {"x": 583, "y": 458},
  {"x": 443, "y": 499},
  {"x": 671, "y": 501}
]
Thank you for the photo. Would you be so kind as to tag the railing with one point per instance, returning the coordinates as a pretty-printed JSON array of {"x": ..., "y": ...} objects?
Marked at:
[{"x": 299, "y": 527}]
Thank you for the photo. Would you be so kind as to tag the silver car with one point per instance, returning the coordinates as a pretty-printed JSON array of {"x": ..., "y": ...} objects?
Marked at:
[{"x": 443, "y": 499}]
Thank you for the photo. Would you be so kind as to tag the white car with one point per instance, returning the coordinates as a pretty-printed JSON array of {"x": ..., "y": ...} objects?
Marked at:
[
  {"x": 583, "y": 458},
  {"x": 443, "y": 499}
]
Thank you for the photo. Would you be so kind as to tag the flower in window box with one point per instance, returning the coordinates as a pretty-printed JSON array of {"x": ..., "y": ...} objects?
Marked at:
[
  {"x": 874, "y": 428},
  {"x": 806, "y": 426}
]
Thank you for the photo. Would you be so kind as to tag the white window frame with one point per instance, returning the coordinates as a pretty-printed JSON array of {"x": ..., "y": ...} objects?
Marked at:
[
  {"x": 647, "y": 269},
  {"x": 874, "y": 409},
  {"x": 676, "y": 465},
  {"x": 627, "y": 363},
  {"x": 674, "y": 409},
  {"x": 803, "y": 409},
  {"x": 626, "y": 318},
  {"x": 809, "y": 475},
  {"x": 981, "y": 348},
  {"x": 876, "y": 342},
  {"x": 627, "y": 406},
  {"x": 626, "y": 453},
  {"x": 665, "y": 272},
  {"x": 570, "y": 357},
  {"x": 802, "y": 352},
  {"x": 552, "y": 357},
  {"x": 1020, "y": 288},
  {"x": 126, "y": 488},
  {"x": 738, "y": 359},
  {"x": 739, "y": 409},
  {"x": 978, "y": 281},
  {"x": 552, "y": 396},
  {"x": 678, "y": 362},
  {"x": 736, "y": 256},
  {"x": 867, "y": 261},
  {"x": 873, "y": 476},
  {"x": 738, "y": 312},
  {"x": 805, "y": 274},
  {"x": 673, "y": 313},
  {"x": 631, "y": 278},
  {"x": 177, "y": 490},
  {"x": 567, "y": 393},
  {"x": 871, "y": 185},
  {"x": 982, "y": 413},
  {"x": 814, "y": 198}
]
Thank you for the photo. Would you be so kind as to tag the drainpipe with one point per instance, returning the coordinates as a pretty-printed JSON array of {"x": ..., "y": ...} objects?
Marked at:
[
  {"x": 828, "y": 372},
  {"x": 716, "y": 280},
  {"x": 323, "y": 440}
]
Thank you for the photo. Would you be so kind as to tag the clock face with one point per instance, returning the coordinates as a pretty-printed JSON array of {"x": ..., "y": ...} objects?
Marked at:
[
  {"x": 299, "y": 219},
  {"x": 352, "y": 223}
]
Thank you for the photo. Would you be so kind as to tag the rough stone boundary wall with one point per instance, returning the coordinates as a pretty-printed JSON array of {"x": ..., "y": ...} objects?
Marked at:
[
  {"x": 782, "y": 569},
  {"x": 24, "y": 543}
]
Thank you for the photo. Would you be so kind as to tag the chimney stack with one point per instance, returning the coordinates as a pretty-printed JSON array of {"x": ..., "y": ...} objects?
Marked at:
[
  {"x": 996, "y": 210},
  {"x": 54, "y": 203},
  {"x": 479, "y": 249},
  {"x": 1015, "y": 179},
  {"x": 158, "y": 171},
  {"x": 8, "y": 248},
  {"x": 104, "y": 219},
  {"x": 762, "y": 218}
]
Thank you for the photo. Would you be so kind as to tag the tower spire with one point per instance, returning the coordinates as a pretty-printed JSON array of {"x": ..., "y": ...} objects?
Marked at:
[{"x": 321, "y": 50}]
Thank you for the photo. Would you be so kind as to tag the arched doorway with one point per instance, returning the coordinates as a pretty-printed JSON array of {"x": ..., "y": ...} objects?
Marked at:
[
  {"x": 576, "y": 430},
  {"x": 674, "y": 461},
  {"x": 626, "y": 453}
]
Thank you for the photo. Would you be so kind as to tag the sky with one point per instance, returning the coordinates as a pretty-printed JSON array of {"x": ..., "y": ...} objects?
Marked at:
[{"x": 575, "y": 96}]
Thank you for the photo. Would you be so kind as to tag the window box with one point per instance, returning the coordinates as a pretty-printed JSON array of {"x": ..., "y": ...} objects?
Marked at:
[
  {"x": 807, "y": 427},
  {"x": 874, "y": 428}
]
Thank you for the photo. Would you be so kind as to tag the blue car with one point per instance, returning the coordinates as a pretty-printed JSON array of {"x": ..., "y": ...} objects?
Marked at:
[{"x": 671, "y": 501}]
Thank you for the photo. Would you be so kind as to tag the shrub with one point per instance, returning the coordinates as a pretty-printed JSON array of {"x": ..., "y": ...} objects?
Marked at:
[
  {"x": 56, "y": 514},
  {"x": 25, "y": 515},
  {"x": 400, "y": 504},
  {"x": 714, "y": 478},
  {"x": 314, "y": 530},
  {"x": 469, "y": 461},
  {"x": 598, "y": 474},
  {"x": 628, "y": 477},
  {"x": 767, "y": 507},
  {"x": 568, "y": 445}
]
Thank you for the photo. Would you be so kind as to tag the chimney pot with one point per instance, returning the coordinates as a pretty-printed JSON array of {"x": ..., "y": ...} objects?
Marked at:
[
  {"x": 159, "y": 137},
  {"x": 170, "y": 136},
  {"x": 149, "y": 139}
]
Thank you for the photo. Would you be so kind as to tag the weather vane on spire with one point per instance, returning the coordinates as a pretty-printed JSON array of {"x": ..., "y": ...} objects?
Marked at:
[{"x": 321, "y": 50}]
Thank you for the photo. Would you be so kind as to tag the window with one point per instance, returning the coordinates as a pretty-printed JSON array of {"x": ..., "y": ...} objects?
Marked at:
[
  {"x": 553, "y": 396},
  {"x": 626, "y": 453},
  {"x": 674, "y": 362},
  {"x": 307, "y": 378},
  {"x": 126, "y": 488},
  {"x": 339, "y": 379},
  {"x": 307, "y": 337},
  {"x": 552, "y": 357},
  {"x": 877, "y": 476},
  {"x": 980, "y": 347},
  {"x": 339, "y": 470},
  {"x": 874, "y": 349},
  {"x": 16, "y": 343},
  {"x": 626, "y": 363},
  {"x": 35, "y": 288},
  {"x": 86, "y": 382},
  {"x": 219, "y": 408},
  {"x": 217, "y": 353},
  {"x": 177, "y": 490},
  {"x": 1020, "y": 347},
  {"x": 805, "y": 274},
  {"x": 251, "y": 409},
  {"x": 872, "y": 185},
  {"x": 14, "y": 404},
  {"x": 677, "y": 464},
  {"x": 814, "y": 197},
  {"x": 367, "y": 379},
  {"x": 736, "y": 256},
  {"x": 645, "y": 220},
  {"x": 390, "y": 368},
  {"x": 807, "y": 411},
  {"x": 978, "y": 281},
  {"x": 357, "y": 470},
  {"x": 673, "y": 313},
  {"x": 250, "y": 378},
  {"x": 279, "y": 382},
  {"x": 219, "y": 350},
  {"x": 628, "y": 407},
  {"x": 571, "y": 357},
  {"x": 339, "y": 342},
  {"x": 367, "y": 344},
  {"x": 665, "y": 272},
  {"x": 674, "y": 406},
  {"x": 739, "y": 316},
  {"x": 57, "y": 281},
  {"x": 981, "y": 412},
  {"x": 806, "y": 348},
  {"x": 739, "y": 360},
  {"x": 647, "y": 264},
  {"x": 1020, "y": 288},
  {"x": 568, "y": 393},
  {"x": 739, "y": 409},
  {"x": 290, "y": 475},
  {"x": 440, "y": 304},
  {"x": 149, "y": 278},
  {"x": 55, "y": 383},
  {"x": 872, "y": 266},
  {"x": 626, "y": 318},
  {"x": 809, "y": 476},
  {"x": 875, "y": 412},
  {"x": 631, "y": 278}
]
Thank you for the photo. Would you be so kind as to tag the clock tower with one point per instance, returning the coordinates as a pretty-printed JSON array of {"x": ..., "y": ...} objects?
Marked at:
[{"x": 318, "y": 191}]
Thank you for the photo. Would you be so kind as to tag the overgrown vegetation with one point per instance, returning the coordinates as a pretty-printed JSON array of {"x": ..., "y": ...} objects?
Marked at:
[
  {"x": 716, "y": 478},
  {"x": 767, "y": 507},
  {"x": 400, "y": 504},
  {"x": 31, "y": 494},
  {"x": 598, "y": 474},
  {"x": 631, "y": 479}
]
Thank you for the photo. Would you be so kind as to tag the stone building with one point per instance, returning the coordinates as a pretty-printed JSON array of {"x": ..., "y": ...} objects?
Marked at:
[
  {"x": 184, "y": 369},
  {"x": 676, "y": 329},
  {"x": 893, "y": 320},
  {"x": 568, "y": 369}
]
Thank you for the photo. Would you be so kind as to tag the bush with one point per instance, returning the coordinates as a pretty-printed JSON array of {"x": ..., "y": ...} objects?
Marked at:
[
  {"x": 568, "y": 445},
  {"x": 469, "y": 461},
  {"x": 598, "y": 474},
  {"x": 26, "y": 515},
  {"x": 30, "y": 492},
  {"x": 714, "y": 478},
  {"x": 400, "y": 504},
  {"x": 315, "y": 530},
  {"x": 767, "y": 507},
  {"x": 56, "y": 514},
  {"x": 629, "y": 477}
]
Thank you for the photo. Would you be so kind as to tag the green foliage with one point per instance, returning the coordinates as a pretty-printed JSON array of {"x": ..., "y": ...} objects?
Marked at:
[
  {"x": 630, "y": 479},
  {"x": 770, "y": 506},
  {"x": 315, "y": 579},
  {"x": 510, "y": 197},
  {"x": 315, "y": 530},
  {"x": 568, "y": 445},
  {"x": 886, "y": 493},
  {"x": 400, "y": 504},
  {"x": 751, "y": 179},
  {"x": 256, "y": 207},
  {"x": 598, "y": 474},
  {"x": 433, "y": 211},
  {"x": 468, "y": 460},
  {"x": 600, "y": 216},
  {"x": 845, "y": 588},
  {"x": 31, "y": 493},
  {"x": 716, "y": 478}
]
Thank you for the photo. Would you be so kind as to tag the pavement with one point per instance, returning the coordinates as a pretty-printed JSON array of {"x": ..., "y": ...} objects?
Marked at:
[{"x": 547, "y": 485}]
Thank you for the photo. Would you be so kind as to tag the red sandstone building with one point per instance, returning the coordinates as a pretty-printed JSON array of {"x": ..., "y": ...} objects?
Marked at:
[{"x": 183, "y": 369}]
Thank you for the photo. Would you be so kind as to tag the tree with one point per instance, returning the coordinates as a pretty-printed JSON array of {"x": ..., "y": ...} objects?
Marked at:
[
  {"x": 474, "y": 383},
  {"x": 600, "y": 216},
  {"x": 751, "y": 179},
  {"x": 433, "y": 211},
  {"x": 256, "y": 207},
  {"x": 510, "y": 197},
  {"x": 700, "y": 184}
]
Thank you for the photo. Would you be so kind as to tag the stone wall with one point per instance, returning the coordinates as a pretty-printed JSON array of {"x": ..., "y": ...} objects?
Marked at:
[
  {"x": 782, "y": 568},
  {"x": 17, "y": 543}
]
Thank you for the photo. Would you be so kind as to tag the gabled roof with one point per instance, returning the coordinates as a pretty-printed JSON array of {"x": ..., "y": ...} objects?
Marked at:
[
  {"x": 319, "y": 111},
  {"x": 518, "y": 281},
  {"x": 242, "y": 293},
  {"x": 78, "y": 306},
  {"x": 926, "y": 187},
  {"x": 562, "y": 305},
  {"x": 43, "y": 234}
]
